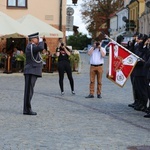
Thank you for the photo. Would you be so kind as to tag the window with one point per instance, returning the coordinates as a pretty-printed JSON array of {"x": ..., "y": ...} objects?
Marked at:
[{"x": 17, "y": 3}]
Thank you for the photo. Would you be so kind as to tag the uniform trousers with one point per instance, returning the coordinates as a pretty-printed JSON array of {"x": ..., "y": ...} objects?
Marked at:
[
  {"x": 64, "y": 66},
  {"x": 28, "y": 92},
  {"x": 135, "y": 97},
  {"x": 148, "y": 86},
  {"x": 140, "y": 85},
  {"x": 96, "y": 71}
]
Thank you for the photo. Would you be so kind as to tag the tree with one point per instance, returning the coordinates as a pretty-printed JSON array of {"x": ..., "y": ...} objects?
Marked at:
[
  {"x": 78, "y": 41},
  {"x": 97, "y": 12}
]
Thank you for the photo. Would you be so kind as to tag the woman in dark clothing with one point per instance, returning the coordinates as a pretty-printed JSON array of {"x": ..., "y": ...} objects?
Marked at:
[{"x": 63, "y": 54}]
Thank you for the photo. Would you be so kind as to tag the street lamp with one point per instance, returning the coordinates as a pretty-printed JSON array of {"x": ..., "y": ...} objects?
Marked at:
[{"x": 60, "y": 16}]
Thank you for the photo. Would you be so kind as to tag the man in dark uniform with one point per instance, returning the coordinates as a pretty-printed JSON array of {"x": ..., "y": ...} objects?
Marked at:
[
  {"x": 147, "y": 66},
  {"x": 132, "y": 49},
  {"x": 32, "y": 70},
  {"x": 140, "y": 76}
]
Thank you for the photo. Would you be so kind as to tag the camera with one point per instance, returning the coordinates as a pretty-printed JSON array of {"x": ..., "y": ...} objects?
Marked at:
[
  {"x": 62, "y": 44},
  {"x": 97, "y": 44}
]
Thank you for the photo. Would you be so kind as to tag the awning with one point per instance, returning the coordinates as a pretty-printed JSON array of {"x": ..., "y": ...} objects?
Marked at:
[
  {"x": 8, "y": 26},
  {"x": 31, "y": 24}
]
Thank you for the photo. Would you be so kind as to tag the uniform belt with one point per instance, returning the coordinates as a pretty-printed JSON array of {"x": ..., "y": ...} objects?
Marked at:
[{"x": 97, "y": 65}]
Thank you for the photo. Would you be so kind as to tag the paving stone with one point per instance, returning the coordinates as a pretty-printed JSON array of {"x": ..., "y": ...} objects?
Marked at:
[{"x": 70, "y": 122}]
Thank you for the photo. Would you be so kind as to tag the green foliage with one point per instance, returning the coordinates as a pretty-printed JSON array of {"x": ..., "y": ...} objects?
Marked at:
[
  {"x": 44, "y": 57},
  {"x": 21, "y": 57},
  {"x": 96, "y": 13},
  {"x": 74, "y": 60},
  {"x": 78, "y": 41}
]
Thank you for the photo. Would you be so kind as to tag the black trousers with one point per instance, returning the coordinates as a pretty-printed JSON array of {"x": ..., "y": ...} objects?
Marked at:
[
  {"x": 141, "y": 90},
  {"x": 64, "y": 66},
  {"x": 28, "y": 91},
  {"x": 135, "y": 97},
  {"x": 148, "y": 86}
]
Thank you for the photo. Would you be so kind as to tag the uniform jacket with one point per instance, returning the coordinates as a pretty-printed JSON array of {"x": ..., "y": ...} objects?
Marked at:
[
  {"x": 147, "y": 63},
  {"x": 33, "y": 67},
  {"x": 139, "y": 69}
]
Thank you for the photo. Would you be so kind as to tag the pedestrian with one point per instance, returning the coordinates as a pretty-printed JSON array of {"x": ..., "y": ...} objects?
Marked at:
[
  {"x": 63, "y": 53},
  {"x": 32, "y": 70},
  {"x": 45, "y": 44},
  {"x": 97, "y": 54}
]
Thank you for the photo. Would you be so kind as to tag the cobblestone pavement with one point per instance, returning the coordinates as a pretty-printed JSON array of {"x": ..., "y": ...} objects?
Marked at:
[{"x": 70, "y": 122}]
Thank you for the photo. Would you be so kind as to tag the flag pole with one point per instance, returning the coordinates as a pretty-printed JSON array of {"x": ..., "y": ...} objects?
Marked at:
[{"x": 106, "y": 36}]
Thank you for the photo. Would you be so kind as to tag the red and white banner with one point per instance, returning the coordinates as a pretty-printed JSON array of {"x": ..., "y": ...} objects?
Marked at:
[{"x": 121, "y": 63}]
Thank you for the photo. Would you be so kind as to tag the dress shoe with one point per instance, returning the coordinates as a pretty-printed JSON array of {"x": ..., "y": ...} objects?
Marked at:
[
  {"x": 90, "y": 96},
  {"x": 99, "y": 96},
  {"x": 140, "y": 108},
  {"x": 147, "y": 115},
  {"x": 148, "y": 110},
  {"x": 30, "y": 113},
  {"x": 132, "y": 105}
]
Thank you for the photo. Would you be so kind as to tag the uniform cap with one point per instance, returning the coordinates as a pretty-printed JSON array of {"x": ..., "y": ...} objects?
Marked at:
[
  {"x": 140, "y": 36},
  {"x": 34, "y": 35},
  {"x": 145, "y": 37}
]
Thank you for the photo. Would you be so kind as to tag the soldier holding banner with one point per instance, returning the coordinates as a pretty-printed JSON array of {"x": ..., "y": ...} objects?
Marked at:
[{"x": 132, "y": 49}]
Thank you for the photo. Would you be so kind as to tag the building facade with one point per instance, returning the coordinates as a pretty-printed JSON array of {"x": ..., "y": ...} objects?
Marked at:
[
  {"x": 113, "y": 26},
  {"x": 117, "y": 24},
  {"x": 133, "y": 17},
  {"x": 52, "y": 12},
  {"x": 136, "y": 8},
  {"x": 144, "y": 21}
]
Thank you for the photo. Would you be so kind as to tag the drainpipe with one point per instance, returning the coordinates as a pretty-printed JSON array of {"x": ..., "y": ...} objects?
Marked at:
[
  {"x": 60, "y": 16},
  {"x": 138, "y": 15}
]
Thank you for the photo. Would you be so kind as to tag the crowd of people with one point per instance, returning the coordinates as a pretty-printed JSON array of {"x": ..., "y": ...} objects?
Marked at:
[{"x": 140, "y": 76}]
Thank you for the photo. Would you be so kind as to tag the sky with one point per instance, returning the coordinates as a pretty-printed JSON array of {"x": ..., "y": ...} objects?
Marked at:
[{"x": 77, "y": 18}]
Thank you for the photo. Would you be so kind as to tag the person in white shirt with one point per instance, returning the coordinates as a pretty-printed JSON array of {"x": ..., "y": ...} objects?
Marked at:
[{"x": 97, "y": 54}]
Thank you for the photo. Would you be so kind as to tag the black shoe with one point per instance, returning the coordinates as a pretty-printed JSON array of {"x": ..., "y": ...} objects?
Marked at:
[
  {"x": 140, "y": 108},
  {"x": 147, "y": 115},
  {"x": 90, "y": 96},
  {"x": 132, "y": 105},
  {"x": 73, "y": 93},
  {"x": 99, "y": 96},
  {"x": 62, "y": 93},
  {"x": 30, "y": 113},
  {"x": 147, "y": 110}
]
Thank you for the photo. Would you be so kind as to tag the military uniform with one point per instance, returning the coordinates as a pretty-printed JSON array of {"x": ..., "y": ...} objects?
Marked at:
[
  {"x": 32, "y": 70},
  {"x": 140, "y": 77},
  {"x": 147, "y": 66},
  {"x": 132, "y": 49}
]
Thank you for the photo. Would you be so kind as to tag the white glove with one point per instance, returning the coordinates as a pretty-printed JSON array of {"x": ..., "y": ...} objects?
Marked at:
[{"x": 40, "y": 39}]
